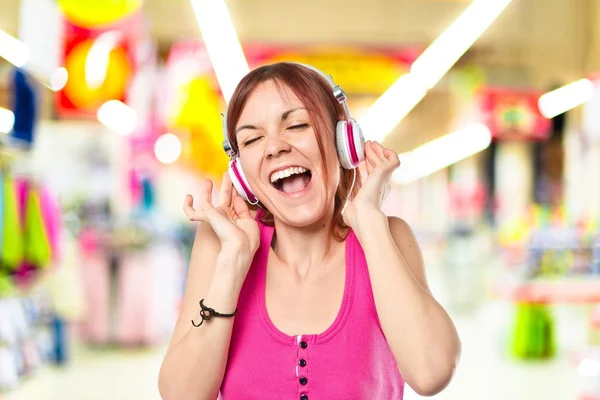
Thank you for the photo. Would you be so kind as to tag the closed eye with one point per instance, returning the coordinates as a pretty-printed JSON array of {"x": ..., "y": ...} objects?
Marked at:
[
  {"x": 299, "y": 126},
  {"x": 250, "y": 141}
]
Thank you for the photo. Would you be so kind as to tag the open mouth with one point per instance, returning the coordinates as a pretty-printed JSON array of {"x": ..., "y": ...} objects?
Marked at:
[{"x": 291, "y": 180}]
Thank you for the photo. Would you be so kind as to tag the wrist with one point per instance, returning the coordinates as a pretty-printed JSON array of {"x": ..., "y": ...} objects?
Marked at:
[
  {"x": 223, "y": 292},
  {"x": 232, "y": 266},
  {"x": 233, "y": 261},
  {"x": 368, "y": 220}
]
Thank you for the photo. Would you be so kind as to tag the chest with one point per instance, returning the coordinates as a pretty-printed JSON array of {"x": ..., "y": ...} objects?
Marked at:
[
  {"x": 355, "y": 364},
  {"x": 308, "y": 306}
]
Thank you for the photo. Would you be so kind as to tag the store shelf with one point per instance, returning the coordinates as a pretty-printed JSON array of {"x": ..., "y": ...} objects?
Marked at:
[{"x": 549, "y": 291}]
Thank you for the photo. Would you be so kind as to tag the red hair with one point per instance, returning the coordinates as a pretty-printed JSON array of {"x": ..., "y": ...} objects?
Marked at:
[{"x": 315, "y": 92}]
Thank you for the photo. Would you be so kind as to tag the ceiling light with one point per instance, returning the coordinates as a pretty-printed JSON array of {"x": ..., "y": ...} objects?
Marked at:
[
  {"x": 430, "y": 67},
  {"x": 118, "y": 117},
  {"x": 59, "y": 79},
  {"x": 96, "y": 63},
  {"x": 13, "y": 50},
  {"x": 566, "y": 98},
  {"x": 442, "y": 152},
  {"x": 167, "y": 148},
  {"x": 7, "y": 120},
  {"x": 222, "y": 44}
]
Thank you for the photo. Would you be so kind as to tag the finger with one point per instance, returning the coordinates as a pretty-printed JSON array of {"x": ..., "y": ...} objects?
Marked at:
[
  {"x": 190, "y": 212},
  {"x": 371, "y": 159},
  {"x": 221, "y": 224},
  {"x": 234, "y": 194},
  {"x": 369, "y": 154},
  {"x": 379, "y": 152},
  {"x": 369, "y": 166},
  {"x": 241, "y": 208},
  {"x": 188, "y": 205},
  {"x": 225, "y": 191},
  {"x": 392, "y": 157},
  {"x": 207, "y": 198}
]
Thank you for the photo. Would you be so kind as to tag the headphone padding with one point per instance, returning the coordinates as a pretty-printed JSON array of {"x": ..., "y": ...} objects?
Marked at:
[
  {"x": 344, "y": 148},
  {"x": 240, "y": 183}
]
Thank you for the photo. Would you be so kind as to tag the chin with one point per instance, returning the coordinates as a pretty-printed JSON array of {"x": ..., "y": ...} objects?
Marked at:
[
  {"x": 303, "y": 216},
  {"x": 299, "y": 201}
]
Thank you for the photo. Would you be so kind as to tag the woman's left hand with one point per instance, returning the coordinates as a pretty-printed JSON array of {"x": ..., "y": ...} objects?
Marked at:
[{"x": 380, "y": 163}]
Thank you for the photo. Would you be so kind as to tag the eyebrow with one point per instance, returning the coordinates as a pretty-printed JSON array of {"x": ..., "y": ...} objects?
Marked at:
[{"x": 284, "y": 116}]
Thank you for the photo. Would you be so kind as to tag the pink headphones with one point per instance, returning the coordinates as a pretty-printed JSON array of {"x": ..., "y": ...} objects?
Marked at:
[{"x": 349, "y": 143}]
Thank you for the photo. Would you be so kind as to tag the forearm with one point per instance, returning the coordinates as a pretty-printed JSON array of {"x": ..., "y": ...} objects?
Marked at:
[
  {"x": 195, "y": 366},
  {"x": 421, "y": 335}
]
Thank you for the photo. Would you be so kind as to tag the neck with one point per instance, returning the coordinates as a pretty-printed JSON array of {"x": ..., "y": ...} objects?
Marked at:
[{"x": 303, "y": 248}]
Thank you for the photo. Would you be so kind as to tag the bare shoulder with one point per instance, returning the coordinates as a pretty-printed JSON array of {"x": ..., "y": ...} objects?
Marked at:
[
  {"x": 399, "y": 228},
  {"x": 409, "y": 248}
]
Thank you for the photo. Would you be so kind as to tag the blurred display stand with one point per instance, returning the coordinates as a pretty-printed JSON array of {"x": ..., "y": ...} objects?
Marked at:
[
  {"x": 32, "y": 333},
  {"x": 465, "y": 260},
  {"x": 132, "y": 283},
  {"x": 548, "y": 261},
  {"x": 28, "y": 340}
]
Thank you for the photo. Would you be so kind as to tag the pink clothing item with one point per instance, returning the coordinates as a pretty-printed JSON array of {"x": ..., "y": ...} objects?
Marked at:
[
  {"x": 351, "y": 360},
  {"x": 95, "y": 273},
  {"x": 51, "y": 213},
  {"x": 22, "y": 189}
]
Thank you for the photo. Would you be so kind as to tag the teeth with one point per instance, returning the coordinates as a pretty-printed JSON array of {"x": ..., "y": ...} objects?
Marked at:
[{"x": 275, "y": 176}]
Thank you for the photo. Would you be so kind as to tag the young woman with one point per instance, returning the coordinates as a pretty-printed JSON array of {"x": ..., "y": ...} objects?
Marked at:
[{"x": 329, "y": 295}]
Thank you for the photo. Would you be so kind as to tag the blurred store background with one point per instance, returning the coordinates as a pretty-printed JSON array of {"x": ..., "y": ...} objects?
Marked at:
[{"x": 109, "y": 115}]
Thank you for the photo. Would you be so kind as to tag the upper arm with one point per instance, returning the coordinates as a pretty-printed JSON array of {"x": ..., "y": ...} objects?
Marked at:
[
  {"x": 201, "y": 269},
  {"x": 407, "y": 245}
]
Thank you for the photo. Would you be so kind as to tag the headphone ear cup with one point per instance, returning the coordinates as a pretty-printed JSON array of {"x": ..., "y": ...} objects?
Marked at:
[
  {"x": 359, "y": 141},
  {"x": 238, "y": 179},
  {"x": 349, "y": 142}
]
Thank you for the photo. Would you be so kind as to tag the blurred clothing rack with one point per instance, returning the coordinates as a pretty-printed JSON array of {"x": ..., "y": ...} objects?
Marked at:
[{"x": 15, "y": 157}]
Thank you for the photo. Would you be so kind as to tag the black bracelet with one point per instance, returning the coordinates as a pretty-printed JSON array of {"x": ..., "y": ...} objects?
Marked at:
[{"x": 207, "y": 313}]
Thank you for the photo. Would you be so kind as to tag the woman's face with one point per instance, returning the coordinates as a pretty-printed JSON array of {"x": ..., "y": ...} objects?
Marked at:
[{"x": 280, "y": 157}]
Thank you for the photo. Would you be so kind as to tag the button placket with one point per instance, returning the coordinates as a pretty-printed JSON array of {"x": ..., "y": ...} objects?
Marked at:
[{"x": 302, "y": 365}]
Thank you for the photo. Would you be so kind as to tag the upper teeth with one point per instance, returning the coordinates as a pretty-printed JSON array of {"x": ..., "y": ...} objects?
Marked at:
[{"x": 284, "y": 173}]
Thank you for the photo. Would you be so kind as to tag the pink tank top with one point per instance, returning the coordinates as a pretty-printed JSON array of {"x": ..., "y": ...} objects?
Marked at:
[{"x": 351, "y": 360}]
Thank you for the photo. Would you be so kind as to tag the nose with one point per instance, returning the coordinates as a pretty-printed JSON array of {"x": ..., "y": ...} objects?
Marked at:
[{"x": 275, "y": 147}]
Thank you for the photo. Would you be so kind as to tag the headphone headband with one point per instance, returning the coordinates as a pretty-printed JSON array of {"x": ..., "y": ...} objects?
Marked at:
[{"x": 338, "y": 93}]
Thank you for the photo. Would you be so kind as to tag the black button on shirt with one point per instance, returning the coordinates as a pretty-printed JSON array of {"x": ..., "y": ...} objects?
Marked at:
[
  {"x": 303, "y": 345},
  {"x": 302, "y": 362},
  {"x": 303, "y": 381}
]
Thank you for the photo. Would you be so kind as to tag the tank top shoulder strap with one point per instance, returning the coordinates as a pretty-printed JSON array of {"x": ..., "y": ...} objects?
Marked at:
[
  {"x": 363, "y": 289},
  {"x": 252, "y": 281},
  {"x": 266, "y": 235}
]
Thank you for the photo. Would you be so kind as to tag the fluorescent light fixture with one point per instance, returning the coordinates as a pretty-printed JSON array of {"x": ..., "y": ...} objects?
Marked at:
[
  {"x": 391, "y": 107},
  {"x": 430, "y": 67},
  {"x": 7, "y": 120},
  {"x": 96, "y": 63},
  {"x": 450, "y": 46},
  {"x": 118, "y": 117},
  {"x": 13, "y": 50},
  {"x": 442, "y": 152},
  {"x": 59, "y": 79},
  {"x": 566, "y": 98},
  {"x": 222, "y": 44},
  {"x": 18, "y": 54},
  {"x": 167, "y": 148}
]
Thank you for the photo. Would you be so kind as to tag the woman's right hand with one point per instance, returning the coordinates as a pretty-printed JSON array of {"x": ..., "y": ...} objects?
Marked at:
[{"x": 230, "y": 220}]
